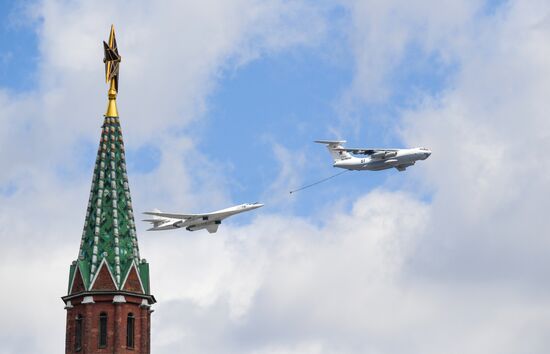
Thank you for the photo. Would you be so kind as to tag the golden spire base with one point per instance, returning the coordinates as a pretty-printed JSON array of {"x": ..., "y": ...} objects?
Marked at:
[{"x": 112, "y": 110}]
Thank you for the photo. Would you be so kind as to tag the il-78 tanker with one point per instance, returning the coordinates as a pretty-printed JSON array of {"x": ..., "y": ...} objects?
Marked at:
[
  {"x": 193, "y": 222},
  {"x": 375, "y": 159}
]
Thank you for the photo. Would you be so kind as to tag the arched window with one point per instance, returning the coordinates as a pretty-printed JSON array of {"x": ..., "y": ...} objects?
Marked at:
[
  {"x": 102, "y": 330},
  {"x": 130, "y": 330},
  {"x": 78, "y": 333}
]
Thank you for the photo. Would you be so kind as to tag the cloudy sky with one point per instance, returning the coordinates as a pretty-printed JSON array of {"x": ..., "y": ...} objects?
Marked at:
[{"x": 220, "y": 102}]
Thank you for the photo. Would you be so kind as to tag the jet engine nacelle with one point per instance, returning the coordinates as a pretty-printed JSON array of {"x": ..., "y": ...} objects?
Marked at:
[
  {"x": 384, "y": 154},
  {"x": 203, "y": 226},
  {"x": 391, "y": 162}
]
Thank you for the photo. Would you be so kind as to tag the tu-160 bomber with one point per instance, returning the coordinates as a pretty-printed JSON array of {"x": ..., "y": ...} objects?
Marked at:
[
  {"x": 376, "y": 159},
  {"x": 193, "y": 222}
]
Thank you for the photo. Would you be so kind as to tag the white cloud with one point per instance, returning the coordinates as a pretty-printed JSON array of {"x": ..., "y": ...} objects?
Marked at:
[
  {"x": 291, "y": 164},
  {"x": 488, "y": 190},
  {"x": 462, "y": 272},
  {"x": 288, "y": 283},
  {"x": 173, "y": 55},
  {"x": 382, "y": 33},
  {"x": 305, "y": 348}
]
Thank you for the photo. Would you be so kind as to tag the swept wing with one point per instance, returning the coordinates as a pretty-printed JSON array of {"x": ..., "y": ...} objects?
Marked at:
[
  {"x": 176, "y": 216},
  {"x": 365, "y": 151}
]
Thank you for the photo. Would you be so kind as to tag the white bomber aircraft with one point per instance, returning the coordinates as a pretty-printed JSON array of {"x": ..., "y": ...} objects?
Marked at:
[
  {"x": 376, "y": 159},
  {"x": 193, "y": 222}
]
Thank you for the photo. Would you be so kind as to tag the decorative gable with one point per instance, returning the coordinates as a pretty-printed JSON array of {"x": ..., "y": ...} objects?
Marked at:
[
  {"x": 133, "y": 281},
  {"x": 104, "y": 279},
  {"x": 78, "y": 283}
]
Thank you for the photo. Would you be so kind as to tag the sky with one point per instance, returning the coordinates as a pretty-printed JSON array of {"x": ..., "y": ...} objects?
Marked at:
[{"x": 220, "y": 102}]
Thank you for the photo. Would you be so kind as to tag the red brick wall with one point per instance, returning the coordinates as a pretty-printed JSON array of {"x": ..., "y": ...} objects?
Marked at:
[{"x": 116, "y": 326}]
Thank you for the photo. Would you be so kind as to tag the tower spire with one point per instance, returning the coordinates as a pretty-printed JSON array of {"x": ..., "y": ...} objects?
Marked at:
[
  {"x": 108, "y": 299},
  {"x": 112, "y": 64}
]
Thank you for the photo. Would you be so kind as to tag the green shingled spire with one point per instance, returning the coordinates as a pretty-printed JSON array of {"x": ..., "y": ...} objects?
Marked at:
[
  {"x": 109, "y": 236},
  {"x": 109, "y": 228}
]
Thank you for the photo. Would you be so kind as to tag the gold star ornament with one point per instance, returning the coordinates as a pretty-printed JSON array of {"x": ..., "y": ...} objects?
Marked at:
[{"x": 112, "y": 65}]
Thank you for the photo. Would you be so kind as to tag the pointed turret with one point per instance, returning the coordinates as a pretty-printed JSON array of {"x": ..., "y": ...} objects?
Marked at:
[{"x": 109, "y": 227}]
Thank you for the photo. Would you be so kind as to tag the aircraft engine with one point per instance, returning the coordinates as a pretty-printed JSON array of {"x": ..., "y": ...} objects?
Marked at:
[
  {"x": 203, "y": 226},
  {"x": 378, "y": 154},
  {"x": 178, "y": 223},
  {"x": 391, "y": 162},
  {"x": 390, "y": 154}
]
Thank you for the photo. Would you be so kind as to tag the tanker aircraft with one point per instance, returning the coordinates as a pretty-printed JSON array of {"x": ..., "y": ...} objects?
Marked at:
[
  {"x": 376, "y": 159},
  {"x": 193, "y": 222}
]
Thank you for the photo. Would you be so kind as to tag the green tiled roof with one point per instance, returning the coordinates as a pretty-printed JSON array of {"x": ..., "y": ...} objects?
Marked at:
[{"x": 109, "y": 228}]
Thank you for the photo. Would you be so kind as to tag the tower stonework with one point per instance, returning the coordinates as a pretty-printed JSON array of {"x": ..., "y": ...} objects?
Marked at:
[{"x": 108, "y": 299}]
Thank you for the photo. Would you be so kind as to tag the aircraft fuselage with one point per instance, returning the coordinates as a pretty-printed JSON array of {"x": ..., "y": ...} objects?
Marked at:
[
  {"x": 394, "y": 159},
  {"x": 208, "y": 221}
]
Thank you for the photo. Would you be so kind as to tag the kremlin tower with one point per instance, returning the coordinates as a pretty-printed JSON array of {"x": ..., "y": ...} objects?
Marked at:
[{"x": 109, "y": 300}]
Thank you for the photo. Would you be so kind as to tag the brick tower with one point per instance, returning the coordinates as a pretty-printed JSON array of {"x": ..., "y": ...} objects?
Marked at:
[{"x": 109, "y": 301}]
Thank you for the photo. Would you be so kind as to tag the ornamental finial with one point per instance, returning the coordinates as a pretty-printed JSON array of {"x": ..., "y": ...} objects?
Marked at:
[{"x": 112, "y": 64}]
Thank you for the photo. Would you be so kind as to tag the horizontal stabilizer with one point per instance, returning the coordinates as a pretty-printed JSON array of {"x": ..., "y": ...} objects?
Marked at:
[
  {"x": 330, "y": 142},
  {"x": 156, "y": 221},
  {"x": 334, "y": 148},
  {"x": 152, "y": 220}
]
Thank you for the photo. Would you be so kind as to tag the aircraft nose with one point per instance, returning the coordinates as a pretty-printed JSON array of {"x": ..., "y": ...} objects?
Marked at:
[{"x": 427, "y": 154}]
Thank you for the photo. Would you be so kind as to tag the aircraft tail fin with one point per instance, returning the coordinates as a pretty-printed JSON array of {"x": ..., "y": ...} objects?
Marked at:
[
  {"x": 334, "y": 148},
  {"x": 155, "y": 220}
]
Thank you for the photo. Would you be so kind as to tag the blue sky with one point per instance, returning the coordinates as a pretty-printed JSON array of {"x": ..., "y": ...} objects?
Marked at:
[
  {"x": 451, "y": 253},
  {"x": 19, "y": 48},
  {"x": 289, "y": 98}
]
